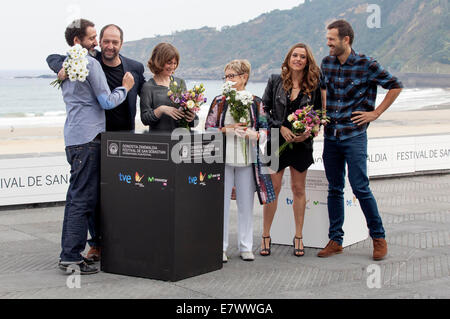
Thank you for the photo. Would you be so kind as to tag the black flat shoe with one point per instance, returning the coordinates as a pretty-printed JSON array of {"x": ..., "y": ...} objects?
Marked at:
[
  {"x": 266, "y": 251},
  {"x": 298, "y": 252}
]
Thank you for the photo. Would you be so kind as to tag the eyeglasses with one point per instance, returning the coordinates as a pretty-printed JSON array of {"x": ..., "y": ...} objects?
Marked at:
[{"x": 231, "y": 76}]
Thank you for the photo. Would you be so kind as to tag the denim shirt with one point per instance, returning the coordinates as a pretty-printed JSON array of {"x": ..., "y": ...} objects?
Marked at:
[{"x": 86, "y": 103}]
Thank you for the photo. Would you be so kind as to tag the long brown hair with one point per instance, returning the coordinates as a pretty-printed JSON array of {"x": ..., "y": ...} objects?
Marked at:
[{"x": 311, "y": 73}]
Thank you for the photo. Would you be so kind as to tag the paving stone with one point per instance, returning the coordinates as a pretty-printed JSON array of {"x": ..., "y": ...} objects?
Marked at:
[{"x": 415, "y": 212}]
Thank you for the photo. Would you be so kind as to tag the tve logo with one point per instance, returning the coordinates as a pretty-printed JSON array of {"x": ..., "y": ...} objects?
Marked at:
[
  {"x": 193, "y": 180},
  {"x": 125, "y": 178},
  {"x": 289, "y": 201}
]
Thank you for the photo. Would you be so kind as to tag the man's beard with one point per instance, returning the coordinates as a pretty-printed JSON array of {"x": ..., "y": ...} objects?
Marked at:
[
  {"x": 91, "y": 50},
  {"x": 109, "y": 58},
  {"x": 338, "y": 50}
]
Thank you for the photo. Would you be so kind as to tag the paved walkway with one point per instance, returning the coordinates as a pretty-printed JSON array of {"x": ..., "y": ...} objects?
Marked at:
[{"x": 415, "y": 211}]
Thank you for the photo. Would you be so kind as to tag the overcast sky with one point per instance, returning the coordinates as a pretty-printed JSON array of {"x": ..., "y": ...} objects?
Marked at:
[{"x": 30, "y": 30}]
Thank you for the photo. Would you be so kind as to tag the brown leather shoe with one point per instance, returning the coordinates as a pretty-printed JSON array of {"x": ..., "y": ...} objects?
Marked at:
[
  {"x": 94, "y": 254},
  {"x": 379, "y": 248},
  {"x": 331, "y": 249}
]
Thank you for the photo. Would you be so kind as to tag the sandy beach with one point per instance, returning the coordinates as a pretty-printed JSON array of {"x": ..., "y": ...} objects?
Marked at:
[{"x": 405, "y": 123}]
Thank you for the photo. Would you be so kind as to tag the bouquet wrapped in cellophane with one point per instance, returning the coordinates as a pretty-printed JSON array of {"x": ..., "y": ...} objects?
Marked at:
[
  {"x": 187, "y": 100},
  {"x": 305, "y": 120}
]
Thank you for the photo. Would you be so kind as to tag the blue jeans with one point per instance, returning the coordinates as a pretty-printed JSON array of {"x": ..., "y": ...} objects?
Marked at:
[
  {"x": 82, "y": 198},
  {"x": 336, "y": 154}
]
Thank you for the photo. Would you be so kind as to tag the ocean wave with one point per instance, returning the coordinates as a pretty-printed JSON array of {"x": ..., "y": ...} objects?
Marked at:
[
  {"x": 409, "y": 99},
  {"x": 29, "y": 114},
  {"x": 32, "y": 121},
  {"x": 416, "y": 99},
  {"x": 55, "y": 113}
]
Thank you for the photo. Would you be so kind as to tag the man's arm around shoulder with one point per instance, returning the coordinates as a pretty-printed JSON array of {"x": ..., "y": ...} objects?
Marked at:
[
  {"x": 55, "y": 62},
  {"x": 97, "y": 79}
]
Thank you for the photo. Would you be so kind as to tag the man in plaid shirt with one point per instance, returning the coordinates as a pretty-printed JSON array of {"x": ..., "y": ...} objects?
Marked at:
[{"x": 350, "y": 80}]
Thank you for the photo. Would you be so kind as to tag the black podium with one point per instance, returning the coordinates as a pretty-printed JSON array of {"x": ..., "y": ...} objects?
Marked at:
[{"x": 161, "y": 218}]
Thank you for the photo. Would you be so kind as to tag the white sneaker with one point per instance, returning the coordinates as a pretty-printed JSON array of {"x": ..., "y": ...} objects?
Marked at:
[
  {"x": 224, "y": 258},
  {"x": 247, "y": 256}
]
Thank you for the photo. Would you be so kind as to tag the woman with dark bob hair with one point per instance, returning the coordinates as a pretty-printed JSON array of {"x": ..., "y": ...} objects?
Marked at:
[
  {"x": 296, "y": 87},
  {"x": 157, "y": 110}
]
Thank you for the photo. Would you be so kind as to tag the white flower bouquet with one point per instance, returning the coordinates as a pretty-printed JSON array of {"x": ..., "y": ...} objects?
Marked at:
[
  {"x": 239, "y": 103},
  {"x": 75, "y": 65}
]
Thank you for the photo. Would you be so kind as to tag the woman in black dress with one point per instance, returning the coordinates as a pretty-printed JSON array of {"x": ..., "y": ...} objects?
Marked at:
[{"x": 296, "y": 87}]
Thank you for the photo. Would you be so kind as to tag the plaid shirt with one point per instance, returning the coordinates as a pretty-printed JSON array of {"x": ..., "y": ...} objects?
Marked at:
[{"x": 352, "y": 87}]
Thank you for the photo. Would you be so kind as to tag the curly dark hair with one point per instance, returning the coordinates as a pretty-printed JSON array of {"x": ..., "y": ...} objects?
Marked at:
[
  {"x": 311, "y": 77},
  {"x": 77, "y": 29}
]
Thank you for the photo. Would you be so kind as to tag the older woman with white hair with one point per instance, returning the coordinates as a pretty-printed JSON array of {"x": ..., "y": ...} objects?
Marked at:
[{"x": 244, "y": 139}]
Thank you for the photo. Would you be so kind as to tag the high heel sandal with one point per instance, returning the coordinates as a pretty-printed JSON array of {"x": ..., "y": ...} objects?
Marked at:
[
  {"x": 266, "y": 250},
  {"x": 298, "y": 251}
]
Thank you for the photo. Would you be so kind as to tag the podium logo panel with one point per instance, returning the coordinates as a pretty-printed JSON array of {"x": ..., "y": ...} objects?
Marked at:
[{"x": 138, "y": 150}]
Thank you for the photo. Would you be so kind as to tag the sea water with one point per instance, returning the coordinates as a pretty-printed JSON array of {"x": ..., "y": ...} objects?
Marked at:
[{"x": 32, "y": 102}]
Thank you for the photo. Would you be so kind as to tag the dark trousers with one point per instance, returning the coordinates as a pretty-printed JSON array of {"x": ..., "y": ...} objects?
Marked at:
[
  {"x": 336, "y": 155},
  {"x": 82, "y": 198},
  {"x": 94, "y": 218},
  {"x": 93, "y": 226}
]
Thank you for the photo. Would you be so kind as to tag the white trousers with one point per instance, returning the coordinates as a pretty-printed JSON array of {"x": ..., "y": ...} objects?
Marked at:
[{"x": 242, "y": 178}]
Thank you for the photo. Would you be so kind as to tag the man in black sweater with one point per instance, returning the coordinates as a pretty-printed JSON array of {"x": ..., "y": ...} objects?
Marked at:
[{"x": 115, "y": 66}]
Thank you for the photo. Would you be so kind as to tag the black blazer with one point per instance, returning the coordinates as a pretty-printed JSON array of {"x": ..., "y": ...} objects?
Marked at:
[
  {"x": 275, "y": 100},
  {"x": 55, "y": 62}
]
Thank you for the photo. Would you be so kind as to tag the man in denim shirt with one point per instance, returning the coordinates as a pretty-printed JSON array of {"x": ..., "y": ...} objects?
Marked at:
[
  {"x": 86, "y": 103},
  {"x": 350, "y": 80},
  {"x": 121, "y": 118}
]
